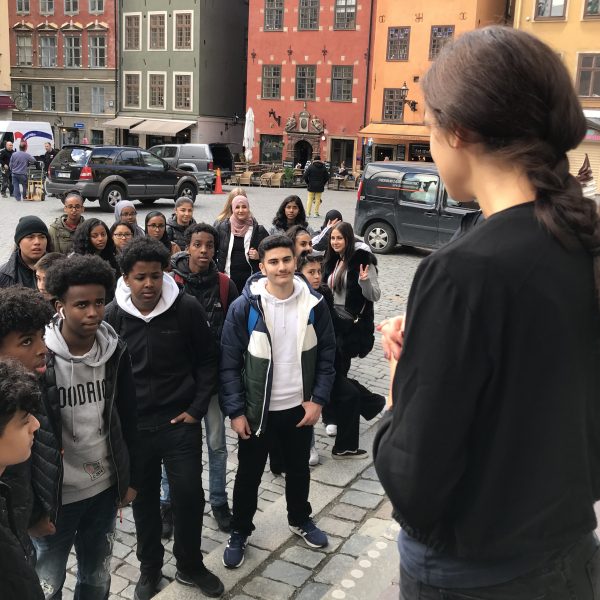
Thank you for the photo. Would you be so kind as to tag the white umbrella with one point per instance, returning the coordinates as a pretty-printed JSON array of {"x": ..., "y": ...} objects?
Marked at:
[{"x": 249, "y": 134}]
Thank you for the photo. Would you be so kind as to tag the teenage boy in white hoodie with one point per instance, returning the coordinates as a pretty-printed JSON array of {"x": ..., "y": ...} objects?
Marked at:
[
  {"x": 277, "y": 355},
  {"x": 91, "y": 404},
  {"x": 175, "y": 366}
]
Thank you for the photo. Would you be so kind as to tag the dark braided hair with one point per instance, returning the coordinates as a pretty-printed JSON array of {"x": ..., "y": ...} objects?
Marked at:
[{"x": 492, "y": 67}]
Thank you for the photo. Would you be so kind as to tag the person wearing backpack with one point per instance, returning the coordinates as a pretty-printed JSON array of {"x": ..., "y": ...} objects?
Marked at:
[
  {"x": 175, "y": 368},
  {"x": 196, "y": 273}
]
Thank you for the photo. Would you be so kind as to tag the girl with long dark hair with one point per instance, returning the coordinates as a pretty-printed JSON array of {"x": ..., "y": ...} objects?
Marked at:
[
  {"x": 491, "y": 457},
  {"x": 93, "y": 237},
  {"x": 290, "y": 212}
]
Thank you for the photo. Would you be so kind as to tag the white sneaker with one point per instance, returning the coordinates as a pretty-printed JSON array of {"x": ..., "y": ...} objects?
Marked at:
[
  {"x": 331, "y": 430},
  {"x": 314, "y": 457}
]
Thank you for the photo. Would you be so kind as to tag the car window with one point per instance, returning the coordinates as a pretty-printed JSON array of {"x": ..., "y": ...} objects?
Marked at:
[
  {"x": 169, "y": 152},
  {"x": 383, "y": 184},
  {"x": 128, "y": 157},
  {"x": 419, "y": 187},
  {"x": 149, "y": 160},
  {"x": 452, "y": 203},
  {"x": 74, "y": 157},
  {"x": 193, "y": 151},
  {"x": 157, "y": 150},
  {"x": 102, "y": 156}
]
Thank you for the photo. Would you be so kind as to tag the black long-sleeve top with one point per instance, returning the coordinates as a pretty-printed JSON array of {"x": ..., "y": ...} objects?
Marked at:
[{"x": 493, "y": 448}]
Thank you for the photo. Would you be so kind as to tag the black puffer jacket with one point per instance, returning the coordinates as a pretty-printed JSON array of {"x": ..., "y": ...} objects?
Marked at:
[
  {"x": 15, "y": 271},
  {"x": 259, "y": 233},
  {"x": 206, "y": 287},
  {"x": 18, "y": 580},
  {"x": 176, "y": 232},
  {"x": 120, "y": 395},
  {"x": 316, "y": 176}
]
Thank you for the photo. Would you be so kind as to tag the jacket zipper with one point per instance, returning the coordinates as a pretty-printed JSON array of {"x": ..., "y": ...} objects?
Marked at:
[
  {"x": 262, "y": 416},
  {"x": 112, "y": 402}
]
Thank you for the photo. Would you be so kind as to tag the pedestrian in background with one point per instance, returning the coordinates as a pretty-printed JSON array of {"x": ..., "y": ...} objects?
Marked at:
[
  {"x": 316, "y": 176},
  {"x": 491, "y": 457},
  {"x": 48, "y": 156},
  {"x": 19, "y": 162},
  {"x": 6, "y": 187}
]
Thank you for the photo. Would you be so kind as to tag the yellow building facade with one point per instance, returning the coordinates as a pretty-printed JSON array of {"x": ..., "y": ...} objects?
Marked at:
[
  {"x": 572, "y": 28},
  {"x": 407, "y": 36}
]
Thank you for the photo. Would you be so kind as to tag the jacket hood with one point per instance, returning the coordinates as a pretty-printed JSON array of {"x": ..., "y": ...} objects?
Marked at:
[
  {"x": 172, "y": 222},
  {"x": 181, "y": 266},
  {"x": 170, "y": 292},
  {"x": 61, "y": 223},
  {"x": 318, "y": 164},
  {"x": 254, "y": 288},
  {"x": 104, "y": 348}
]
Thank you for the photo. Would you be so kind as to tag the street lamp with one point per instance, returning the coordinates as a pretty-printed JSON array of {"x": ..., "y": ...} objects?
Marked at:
[{"x": 411, "y": 103}]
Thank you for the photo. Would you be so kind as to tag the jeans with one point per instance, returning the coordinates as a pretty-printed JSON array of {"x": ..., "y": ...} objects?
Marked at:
[
  {"x": 316, "y": 198},
  {"x": 252, "y": 457},
  {"x": 90, "y": 525},
  {"x": 18, "y": 180},
  {"x": 214, "y": 424},
  {"x": 574, "y": 575},
  {"x": 179, "y": 447}
]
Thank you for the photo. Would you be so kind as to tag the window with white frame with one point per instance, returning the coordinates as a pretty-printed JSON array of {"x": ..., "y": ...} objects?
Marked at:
[
  {"x": 72, "y": 44},
  {"x": 97, "y": 50},
  {"x": 306, "y": 82},
  {"x": 71, "y": 7},
  {"x": 397, "y": 43},
  {"x": 26, "y": 91},
  {"x": 156, "y": 31},
  {"x": 183, "y": 31},
  {"x": 97, "y": 100},
  {"x": 341, "y": 83},
  {"x": 182, "y": 91},
  {"x": 72, "y": 98},
  {"x": 24, "y": 49},
  {"x": 132, "y": 24},
  {"x": 156, "y": 90},
  {"x": 47, "y": 7},
  {"x": 273, "y": 15},
  {"x": 132, "y": 90},
  {"x": 550, "y": 9},
  {"x": 345, "y": 14},
  {"x": 393, "y": 104},
  {"x": 48, "y": 49},
  {"x": 96, "y": 6},
  {"x": 23, "y": 7},
  {"x": 440, "y": 36},
  {"x": 49, "y": 98}
]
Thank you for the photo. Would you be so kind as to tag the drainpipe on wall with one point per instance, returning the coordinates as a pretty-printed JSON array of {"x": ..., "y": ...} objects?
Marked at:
[
  {"x": 118, "y": 12},
  {"x": 367, "y": 83},
  {"x": 517, "y": 15}
]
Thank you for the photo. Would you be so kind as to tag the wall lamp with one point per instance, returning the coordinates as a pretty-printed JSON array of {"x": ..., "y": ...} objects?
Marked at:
[
  {"x": 276, "y": 118},
  {"x": 411, "y": 103}
]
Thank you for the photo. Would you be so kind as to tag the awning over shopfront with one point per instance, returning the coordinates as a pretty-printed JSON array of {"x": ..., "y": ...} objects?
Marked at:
[
  {"x": 388, "y": 131},
  {"x": 123, "y": 122},
  {"x": 158, "y": 127}
]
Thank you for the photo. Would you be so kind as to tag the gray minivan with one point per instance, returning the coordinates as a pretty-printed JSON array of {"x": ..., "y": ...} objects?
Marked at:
[{"x": 405, "y": 203}]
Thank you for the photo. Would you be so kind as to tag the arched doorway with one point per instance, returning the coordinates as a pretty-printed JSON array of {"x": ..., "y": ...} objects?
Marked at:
[{"x": 302, "y": 152}]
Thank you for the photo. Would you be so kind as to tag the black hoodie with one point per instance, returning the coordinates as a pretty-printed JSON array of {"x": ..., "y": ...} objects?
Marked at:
[
  {"x": 176, "y": 232},
  {"x": 316, "y": 176}
]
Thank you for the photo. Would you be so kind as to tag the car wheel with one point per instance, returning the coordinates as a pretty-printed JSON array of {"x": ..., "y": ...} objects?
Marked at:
[
  {"x": 148, "y": 201},
  {"x": 111, "y": 195},
  {"x": 380, "y": 237},
  {"x": 189, "y": 191}
]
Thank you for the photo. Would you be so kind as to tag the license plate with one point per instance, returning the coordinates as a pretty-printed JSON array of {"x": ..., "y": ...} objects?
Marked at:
[{"x": 65, "y": 175}]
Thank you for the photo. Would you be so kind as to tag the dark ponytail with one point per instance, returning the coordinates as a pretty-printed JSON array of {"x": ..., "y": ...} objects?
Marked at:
[{"x": 510, "y": 92}]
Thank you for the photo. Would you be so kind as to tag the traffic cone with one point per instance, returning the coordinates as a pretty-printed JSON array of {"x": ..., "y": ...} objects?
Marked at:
[{"x": 218, "y": 186}]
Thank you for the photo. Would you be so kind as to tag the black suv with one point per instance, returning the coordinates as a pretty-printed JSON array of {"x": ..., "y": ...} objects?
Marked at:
[
  {"x": 112, "y": 173},
  {"x": 405, "y": 203}
]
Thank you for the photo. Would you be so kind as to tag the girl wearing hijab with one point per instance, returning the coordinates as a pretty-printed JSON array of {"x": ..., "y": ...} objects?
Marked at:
[
  {"x": 126, "y": 212},
  {"x": 239, "y": 238}
]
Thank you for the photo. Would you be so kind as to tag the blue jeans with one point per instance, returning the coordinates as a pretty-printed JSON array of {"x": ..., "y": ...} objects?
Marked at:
[
  {"x": 19, "y": 180},
  {"x": 90, "y": 525},
  {"x": 214, "y": 425}
]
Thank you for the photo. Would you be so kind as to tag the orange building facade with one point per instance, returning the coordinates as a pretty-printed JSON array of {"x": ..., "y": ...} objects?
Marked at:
[
  {"x": 407, "y": 36},
  {"x": 307, "y": 79}
]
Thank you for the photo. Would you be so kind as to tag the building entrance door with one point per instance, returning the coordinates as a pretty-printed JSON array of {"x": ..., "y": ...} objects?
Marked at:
[
  {"x": 342, "y": 151},
  {"x": 302, "y": 152}
]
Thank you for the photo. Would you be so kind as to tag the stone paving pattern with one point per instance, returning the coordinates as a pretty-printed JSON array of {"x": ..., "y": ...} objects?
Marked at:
[{"x": 361, "y": 560}]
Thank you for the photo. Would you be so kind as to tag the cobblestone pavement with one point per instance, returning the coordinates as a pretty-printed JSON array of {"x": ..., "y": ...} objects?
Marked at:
[{"x": 361, "y": 561}]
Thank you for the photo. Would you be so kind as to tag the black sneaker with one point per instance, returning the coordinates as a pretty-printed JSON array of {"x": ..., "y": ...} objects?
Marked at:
[
  {"x": 208, "y": 583},
  {"x": 222, "y": 515},
  {"x": 233, "y": 557},
  {"x": 166, "y": 516},
  {"x": 343, "y": 454},
  {"x": 147, "y": 585}
]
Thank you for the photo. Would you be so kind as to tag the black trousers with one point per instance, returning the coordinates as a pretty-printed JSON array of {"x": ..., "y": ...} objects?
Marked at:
[
  {"x": 294, "y": 443},
  {"x": 179, "y": 447},
  {"x": 573, "y": 575}
]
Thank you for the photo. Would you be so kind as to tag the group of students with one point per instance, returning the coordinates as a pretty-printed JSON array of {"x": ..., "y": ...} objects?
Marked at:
[{"x": 134, "y": 347}]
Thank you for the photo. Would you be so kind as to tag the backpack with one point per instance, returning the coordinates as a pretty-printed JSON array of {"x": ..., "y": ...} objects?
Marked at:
[{"x": 223, "y": 288}]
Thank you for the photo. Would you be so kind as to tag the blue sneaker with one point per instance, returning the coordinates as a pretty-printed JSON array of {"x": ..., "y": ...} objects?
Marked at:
[
  {"x": 312, "y": 535},
  {"x": 233, "y": 557}
]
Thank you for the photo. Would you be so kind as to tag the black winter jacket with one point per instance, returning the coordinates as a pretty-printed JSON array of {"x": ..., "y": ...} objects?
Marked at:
[
  {"x": 15, "y": 271},
  {"x": 259, "y": 233},
  {"x": 205, "y": 287},
  {"x": 316, "y": 176},
  {"x": 175, "y": 360},
  {"x": 176, "y": 232},
  {"x": 5, "y": 157},
  {"x": 18, "y": 580},
  {"x": 359, "y": 339},
  {"x": 119, "y": 413}
]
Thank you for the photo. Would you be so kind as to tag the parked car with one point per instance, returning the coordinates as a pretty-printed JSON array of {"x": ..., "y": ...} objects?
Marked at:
[
  {"x": 200, "y": 159},
  {"x": 405, "y": 203},
  {"x": 113, "y": 173}
]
